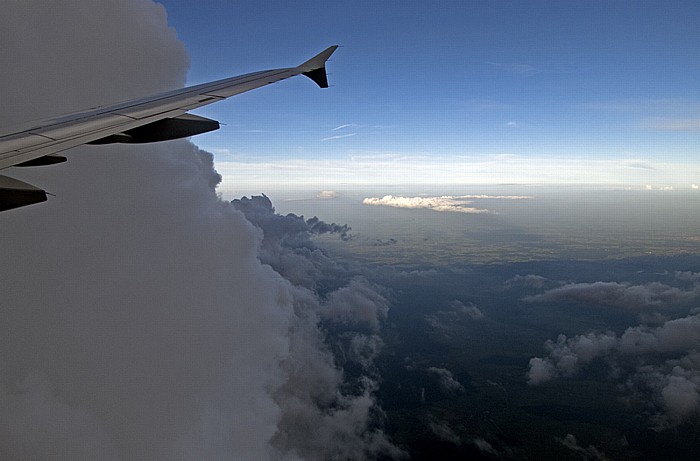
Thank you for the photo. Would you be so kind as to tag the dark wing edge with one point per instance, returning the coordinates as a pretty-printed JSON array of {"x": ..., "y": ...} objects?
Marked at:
[
  {"x": 156, "y": 118},
  {"x": 315, "y": 68}
]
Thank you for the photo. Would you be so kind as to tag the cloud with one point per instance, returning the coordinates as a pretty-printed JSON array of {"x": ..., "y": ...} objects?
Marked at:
[
  {"x": 444, "y": 203},
  {"x": 677, "y": 335},
  {"x": 341, "y": 127},
  {"x": 160, "y": 322},
  {"x": 444, "y": 432},
  {"x": 566, "y": 356},
  {"x": 590, "y": 452},
  {"x": 673, "y": 124},
  {"x": 358, "y": 303},
  {"x": 680, "y": 396},
  {"x": 444, "y": 320},
  {"x": 447, "y": 381},
  {"x": 614, "y": 294},
  {"x": 661, "y": 188},
  {"x": 639, "y": 164},
  {"x": 450, "y": 169},
  {"x": 688, "y": 276},
  {"x": 485, "y": 447},
  {"x": 340, "y": 136},
  {"x": 530, "y": 280},
  {"x": 662, "y": 362},
  {"x": 470, "y": 310},
  {"x": 327, "y": 194},
  {"x": 541, "y": 371},
  {"x": 514, "y": 68},
  {"x": 324, "y": 416}
]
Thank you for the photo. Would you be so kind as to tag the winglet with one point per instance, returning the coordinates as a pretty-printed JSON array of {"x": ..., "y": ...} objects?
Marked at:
[{"x": 315, "y": 68}]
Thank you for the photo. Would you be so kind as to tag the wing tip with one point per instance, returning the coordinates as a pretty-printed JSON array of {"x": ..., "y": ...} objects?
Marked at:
[{"x": 315, "y": 68}]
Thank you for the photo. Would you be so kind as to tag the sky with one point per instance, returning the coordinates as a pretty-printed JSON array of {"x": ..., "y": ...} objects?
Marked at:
[
  {"x": 482, "y": 92},
  {"x": 142, "y": 317}
]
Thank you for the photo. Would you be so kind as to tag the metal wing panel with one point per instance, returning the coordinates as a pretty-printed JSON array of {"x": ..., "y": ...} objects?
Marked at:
[
  {"x": 30, "y": 152},
  {"x": 45, "y": 137}
]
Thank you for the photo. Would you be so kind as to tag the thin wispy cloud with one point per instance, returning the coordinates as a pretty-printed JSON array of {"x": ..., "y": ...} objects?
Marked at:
[
  {"x": 347, "y": 125},
  {"x": 643, "y": 105},
  {"x": 399, "y": 168},
  {"x": 488, "y": 105},
  {"x": 340, "y": 136},
  {"x": 639, "y": 164},
  {"x": 673, "y": 124},
  {"x": 514, "y": 68}
]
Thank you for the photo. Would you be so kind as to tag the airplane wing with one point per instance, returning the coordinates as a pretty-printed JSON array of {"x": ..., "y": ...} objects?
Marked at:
[{"x": 155, "y": 118}]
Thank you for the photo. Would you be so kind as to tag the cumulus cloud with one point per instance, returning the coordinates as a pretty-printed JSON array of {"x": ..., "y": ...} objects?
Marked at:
[
  {"x": 157, "y": 321},
  {"x": 589, "y": 452},
  {"x": 485, "y": 447},
  {"x": 530, "y": 280},
  {"x": 614, "y": 294},
  {"x": 444, "y": 203},
  {"x": 319, "y": 420},
  {"x": 447, "y": 381},
  {"x": 359, "y": 303},
  {"x": 675, "y": 335},
  {"x": 470, "y": 310},
  {"x": 541, "y": 370},
  {"x": 444, "y": 432},
  {"x": 688, "y": 276},
  {"x": 327, "y": 194},
  {"x": 662, "y": 361},
  {"x": 567, "y": 355},
  {"x": 458, "y": 311},
  {"x": 661, "y": 188},
  {"x": 457, "y": 204}
]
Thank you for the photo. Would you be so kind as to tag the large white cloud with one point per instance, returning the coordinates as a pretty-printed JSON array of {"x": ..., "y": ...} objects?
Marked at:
[
  {"x": 444, "y": 203},
  {"x": 457, "y": 204},
  {"x": 138, "y": 319}
]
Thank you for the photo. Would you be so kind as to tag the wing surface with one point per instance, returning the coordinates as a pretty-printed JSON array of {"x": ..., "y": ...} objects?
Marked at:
[
  {"x": 154, "y": 118},
  {"x": 58, "y": 134}
]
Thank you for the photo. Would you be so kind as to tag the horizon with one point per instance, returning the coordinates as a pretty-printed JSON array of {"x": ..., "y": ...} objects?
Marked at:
[
  {"x": 487, "y": 92},
  {"x": 482, "y": 242}
]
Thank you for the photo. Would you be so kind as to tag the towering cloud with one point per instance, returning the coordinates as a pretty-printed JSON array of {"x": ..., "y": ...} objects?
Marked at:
[{"x": 138, "y": 321}]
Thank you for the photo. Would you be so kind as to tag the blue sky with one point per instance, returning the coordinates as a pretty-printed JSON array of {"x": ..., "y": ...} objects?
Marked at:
[{"x": 463, "y": 92}]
